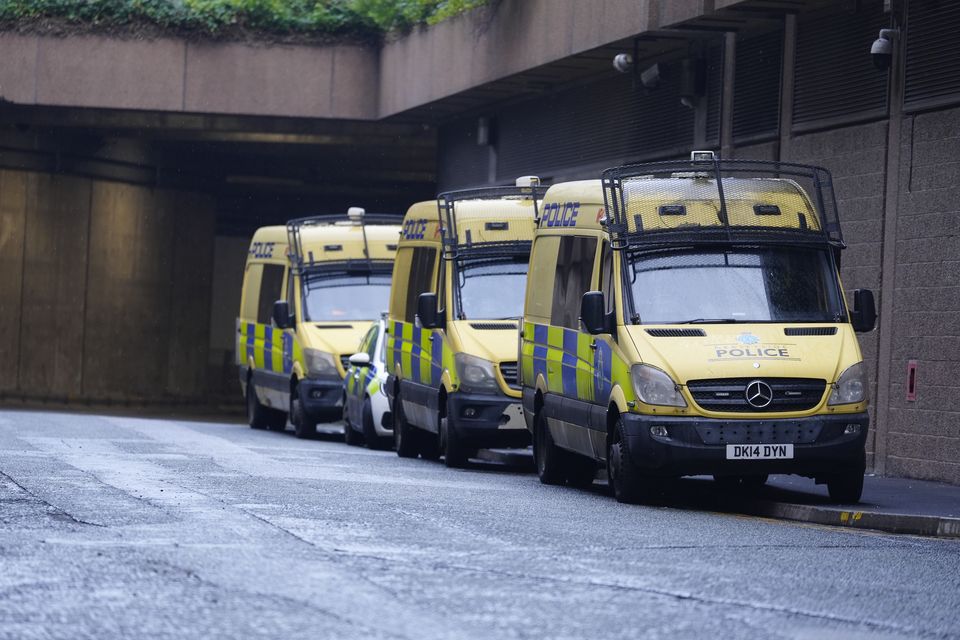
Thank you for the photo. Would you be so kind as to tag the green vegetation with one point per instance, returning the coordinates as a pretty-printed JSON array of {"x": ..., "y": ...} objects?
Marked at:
[{"x": 218, "y": 17}]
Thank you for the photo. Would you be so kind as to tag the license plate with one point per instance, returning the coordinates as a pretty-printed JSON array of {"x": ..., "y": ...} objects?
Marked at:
[{"x": 759, "y": 451}]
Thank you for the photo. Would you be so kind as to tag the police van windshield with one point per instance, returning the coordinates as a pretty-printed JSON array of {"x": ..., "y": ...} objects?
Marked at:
[
  {"x": 344, "y": 296},
  {"x": 775, "y": 284},
  {"x": 492, "y": 289}
]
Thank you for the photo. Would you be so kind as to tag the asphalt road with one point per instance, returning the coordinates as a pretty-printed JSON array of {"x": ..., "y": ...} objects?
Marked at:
[{"x": 122, "y": 527}]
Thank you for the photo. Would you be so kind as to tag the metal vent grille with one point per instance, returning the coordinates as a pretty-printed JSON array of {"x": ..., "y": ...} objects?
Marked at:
[
  {"x": 933, "y": 66},
  {"x": 729, "y": 394},
  {"x": 676, "y": 333},
  {"x": 810, "y": 331},
  {"x": 835, "y": 77},
  {"x": 756, "y": 97},
  {"x": 509, "y": 372},
  {"x": 493, "y": 326}
]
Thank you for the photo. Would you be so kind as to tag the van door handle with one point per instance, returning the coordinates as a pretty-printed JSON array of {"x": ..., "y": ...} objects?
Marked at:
[{"x": 593, "y": 345}]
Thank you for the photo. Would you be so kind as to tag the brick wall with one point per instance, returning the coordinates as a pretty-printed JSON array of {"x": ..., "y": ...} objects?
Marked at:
[
  {"x": 924, "y": 435},
  {"x": 856, "y": 156}
]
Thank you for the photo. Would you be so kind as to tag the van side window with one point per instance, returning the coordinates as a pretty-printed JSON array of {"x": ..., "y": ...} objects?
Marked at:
[
  {"x": 573, "y": 279},
  {"x": 421, "y": 278},
  {"x": 271, "y": 290},
  {"x": 543, "y": 265},
  {"x": 251, "y": 292},
  {"x": 606, "y": 277}
]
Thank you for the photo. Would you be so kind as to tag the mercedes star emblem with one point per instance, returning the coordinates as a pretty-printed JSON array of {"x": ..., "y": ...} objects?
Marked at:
[{"x": 759, "y": 394}]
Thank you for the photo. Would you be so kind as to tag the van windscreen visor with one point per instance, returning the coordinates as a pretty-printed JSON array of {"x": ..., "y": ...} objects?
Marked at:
[
  {"x": 345, "y": 295},
  {"x": 719, "y": 285}
]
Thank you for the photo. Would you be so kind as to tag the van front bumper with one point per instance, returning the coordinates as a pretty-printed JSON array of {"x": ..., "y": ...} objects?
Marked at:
[
  {"x": 698, "y": 446},
  {"x": 488, "y": 421},
  {"x": 321, "y": 399}
]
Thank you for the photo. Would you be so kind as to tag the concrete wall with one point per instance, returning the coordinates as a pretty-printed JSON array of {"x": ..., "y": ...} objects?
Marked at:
[
  {"x": 104, "y": 289},
  {"x": 166, "y": 74},
  {"x": 924, "y": 435},
  {"x": 486, "y": 45}
]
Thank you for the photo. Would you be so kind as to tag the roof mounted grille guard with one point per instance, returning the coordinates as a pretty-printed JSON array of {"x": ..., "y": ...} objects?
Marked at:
[
  {"x": 354, "y": 217},
  {"x": 708, "y": 200},
  {"x": 454, "y": 246}
]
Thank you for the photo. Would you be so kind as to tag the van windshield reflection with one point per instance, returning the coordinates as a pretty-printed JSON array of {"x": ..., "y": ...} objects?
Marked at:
[
  {"x": 718, "y": 286},
  {"x": 492, "y": 289},
  {"x": 343, "y": 296}
]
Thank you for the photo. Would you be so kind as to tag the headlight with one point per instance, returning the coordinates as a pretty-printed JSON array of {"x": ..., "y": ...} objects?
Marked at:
[
  {"x": 851, "y": 387},
  {"x": 653, "y": 386},
  {"x": 476, "y": 374},
  {"x": 320, "y": 364}
]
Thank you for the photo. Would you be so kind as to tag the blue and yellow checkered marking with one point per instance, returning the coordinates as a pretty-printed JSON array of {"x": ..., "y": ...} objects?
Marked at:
[
  {"x": 573, "y": 363},
  {"x": 270, "y": 348}
]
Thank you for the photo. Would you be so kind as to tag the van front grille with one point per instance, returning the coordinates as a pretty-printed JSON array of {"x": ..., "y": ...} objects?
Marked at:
[
  {"x": 509, "y": 372},
  {"x": 730, "y": 394}
]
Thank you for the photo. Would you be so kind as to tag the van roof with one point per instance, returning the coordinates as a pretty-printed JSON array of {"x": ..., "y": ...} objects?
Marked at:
[
  {"x": 661, "y": 204},
  {"x": 473, "y": 221},
  {"x": 331, "y": 242}
]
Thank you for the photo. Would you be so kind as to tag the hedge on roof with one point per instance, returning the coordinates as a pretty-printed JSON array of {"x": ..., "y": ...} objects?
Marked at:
[{"x": 216, "y": 17}]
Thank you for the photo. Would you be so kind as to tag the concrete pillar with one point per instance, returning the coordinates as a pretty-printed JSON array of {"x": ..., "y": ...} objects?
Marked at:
[
  {"x": 891, "y": 204},
  {"x": 54, "y": 281},
  {"x": 128, "y": 293},
  {"x": 13, "y": 208},
  {"x": 726, "y": 104},
  {"x": 190, "y": 282}
]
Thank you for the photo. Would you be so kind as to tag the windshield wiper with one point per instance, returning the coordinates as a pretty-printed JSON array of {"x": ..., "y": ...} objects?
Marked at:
[{"x": 711, "y": 321}]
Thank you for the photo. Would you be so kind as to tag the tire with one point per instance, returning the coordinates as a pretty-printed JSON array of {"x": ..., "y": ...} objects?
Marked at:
[
  {"x": 350, "y": 435},
  {"x": 846, "y": 487},
  {"x": 260, "y": 416},
  {"x": 373, "y": 440},
  {"x": 455, "y": 452},
  {"x": 548, "y": 457},
  {"x": 404, "y": 440},
  {"x": 429, "y": 444},
  {"x": 304, "y": 426},
  {"x": 626, "y": 482},
  {"x": 581, "y": 471}
]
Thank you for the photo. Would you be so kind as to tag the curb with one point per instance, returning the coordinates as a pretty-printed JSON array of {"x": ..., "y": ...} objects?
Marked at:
[
  {"x": 899, "y": 523},
  {"x": 919, "y": 525}
]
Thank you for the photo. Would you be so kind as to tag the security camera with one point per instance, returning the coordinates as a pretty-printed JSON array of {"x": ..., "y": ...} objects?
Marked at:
[
  {"x": 623, "y": 62},
  {"x": 881, "y": 51},
  {"x": 651, "y": 76}
]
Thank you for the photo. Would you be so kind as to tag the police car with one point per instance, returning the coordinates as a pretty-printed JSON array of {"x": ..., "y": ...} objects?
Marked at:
[{"x": 366, "y": 410}]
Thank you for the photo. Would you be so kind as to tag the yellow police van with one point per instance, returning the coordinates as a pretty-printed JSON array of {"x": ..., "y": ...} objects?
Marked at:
[
  {"x": 687, "y": 318},
  {"x": 311, "y": 290},
  {"x": 454, "y": 307}
]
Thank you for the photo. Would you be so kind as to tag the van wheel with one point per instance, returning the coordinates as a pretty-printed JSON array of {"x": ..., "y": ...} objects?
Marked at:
[
  {"x": 429, "y": 445},
  {"x": 548, "y": 456},
  {"x": 627, "y": 484},
  {"x": 373, "y": 440},
  {"x": 846, "y": 488},
  {"x": 455, "y": 454},
  {"x": 404, "y": 441},
  {"x": 304, "y": 426},
  {"x": 260, "y": 416},
  {"x": 581, "y": 471},
  {"x": 350, "y": 435}
]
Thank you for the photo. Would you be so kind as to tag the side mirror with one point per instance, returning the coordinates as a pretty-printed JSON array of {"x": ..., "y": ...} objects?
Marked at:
[
  {"x": 591, "y": 312},
  {"x": 864, "y": 314},
  {"x": 281, "y": 314},
  {"x": 427, "y": 311},
  {"x": 360, "y": 359}
]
